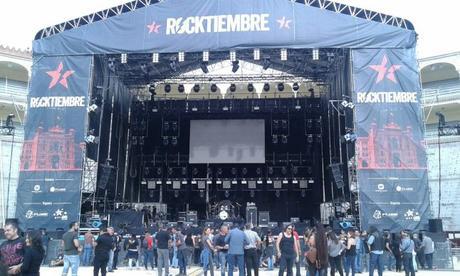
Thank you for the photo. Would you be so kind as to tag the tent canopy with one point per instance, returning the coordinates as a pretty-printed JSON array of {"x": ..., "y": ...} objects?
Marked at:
[{"x": 216, "y": 25}]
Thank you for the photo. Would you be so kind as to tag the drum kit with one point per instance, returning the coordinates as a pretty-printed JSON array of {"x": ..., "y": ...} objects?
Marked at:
[{"x": 225, "y": 210}]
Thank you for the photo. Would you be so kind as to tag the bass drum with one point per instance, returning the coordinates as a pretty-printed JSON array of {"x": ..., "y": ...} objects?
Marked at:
[{"x": 225, "y": 210}]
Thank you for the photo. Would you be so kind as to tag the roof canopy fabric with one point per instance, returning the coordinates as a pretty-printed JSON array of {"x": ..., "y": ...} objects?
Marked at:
[{"x": 216, "y": 25}]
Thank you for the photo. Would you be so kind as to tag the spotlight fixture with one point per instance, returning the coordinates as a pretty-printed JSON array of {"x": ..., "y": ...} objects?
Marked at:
[
  {"x": 309, "y": 123},
  {"x": 250, "y": 87},
  {"x": 213, "y": 88},
  {"x": 234, "y": 171},
  {"x": 155, "y": 57},
  {"x": 280, "y": 87},
  {"x": 166, "y": 126},
  {"x": 181, "y": 88},
  {"x": 196, "y": 88},
  {"x": 204, "y": 67},
  {"x": 219, "y": 171},
  {"x": 184, "y": 171},
  {"x": 266, "y": 87},
  {"x": 256, "y": 54},
  {"x": 276, "y": 124},
  {"x": 284, "y": 170},
  {"x": 295, "y": 86},
  {"x": 267, "y": 62},
  {"x": 173, "y": 64},
  {"x": 310, "y": 138},
  {"x": 244, "y": 171},
  {"x": 315, "y": 54},
  {"x": 205, "y": 56},
  {"x": 350, "y": 137},
  {"x": 159, "y": 171},
  {"x": 174, "y": 141},
  {"x": 283, "y": 54},
  {"x": 124, "y": 58},
  {"x": 284, "y": 124},
  {"x": 274, "y": 139},
  {"x": 284, "y": 139},
  {"x": 259, "y": 171},
  {"x": 235, "y": 66},
  {"x": 270, "y": 170},
  {"x": 165, "y": 141},
  {"x": 195, "y": 171},
  {"x": 181, "y": 56},
  {"x": 90, "y": 139},
  {"x": 347, "y": 104},
  {"x": 91, "y": 108},
  {"x": 232, "y": 87},
  {"x": 167, "y": 88}
]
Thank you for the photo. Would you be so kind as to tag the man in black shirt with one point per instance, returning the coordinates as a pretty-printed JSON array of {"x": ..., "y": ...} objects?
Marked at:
[
  {"x": 12, "y": 250},
  {"x": 103, "y": 245},
  {"x": 222, "y": 248},
  {"x": 163, "y": 243}
]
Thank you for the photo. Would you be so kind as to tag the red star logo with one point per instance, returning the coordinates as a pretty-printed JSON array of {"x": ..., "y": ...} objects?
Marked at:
[
  {"x": 383, "y": 71},
  {"x": 56, "y": 76},
  {"x": 153, "y": 28},
  {"x": 284, "y": 23}
]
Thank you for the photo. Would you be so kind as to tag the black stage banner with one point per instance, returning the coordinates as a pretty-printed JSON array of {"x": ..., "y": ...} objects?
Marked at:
[
  {"x": 390, "y": 153},
  {"x": 51, "y": 160}
]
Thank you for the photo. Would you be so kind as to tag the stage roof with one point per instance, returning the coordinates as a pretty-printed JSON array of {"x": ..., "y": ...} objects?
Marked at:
[{"x": 145, "y": 26}]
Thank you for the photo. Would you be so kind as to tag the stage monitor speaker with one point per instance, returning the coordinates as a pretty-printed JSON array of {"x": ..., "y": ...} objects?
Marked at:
[
  {"x": 435, "y": 225},
  {"x": 192, "y": 217},
  {"x": 264, "y": 218},
  {"x": 337, "y": 175},
  {"x": 272, "y": 224},
  {"x": 251, "y": 215},
  {"x": 106, "y": 176}
]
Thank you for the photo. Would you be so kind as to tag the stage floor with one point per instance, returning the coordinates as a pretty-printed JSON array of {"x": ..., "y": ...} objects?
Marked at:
[{"x": 195, "y": 271}]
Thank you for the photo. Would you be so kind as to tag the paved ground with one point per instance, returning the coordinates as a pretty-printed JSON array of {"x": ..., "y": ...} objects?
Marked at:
[{"x": 87, "y": 271}]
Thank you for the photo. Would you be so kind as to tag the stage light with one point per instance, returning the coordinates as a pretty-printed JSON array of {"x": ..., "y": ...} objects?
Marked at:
[
  {"x": 213, "y": 88},
  {"x": 205, "y": 56},
  {"x": 167, "y": 88},
  {"x": 124, "y": 58},
  {"x": 295, "y": 86},
  {"x": 235, "y": 66},
  {"x": 259, "y": 171},
  {"x": 173, "y": 63},
  {"x": 184, "y": 171},
  {"x": 252, "y": 193},
  {"x": 159, "y": 171},
  {"x": 170, "y": 171},
  {"x": 275, "y": 124},
  {"x": 155, "y": 57},
  {"x": 309, "y": 123},
  {"x": 303, "y": 193},
  {"x": 347, "y": 104},
  {"x": 266, "y": 87},
  {"x": 174, "y": 126},
  {"x": 234, "y": 171},
  {"x": 310, "y": 138},
  {"x": 315, "y": 54},
  {"x": 280, "y": 87},
  {"x": 232, "y": 55},
  {"x": 174, "y": 141},
  {"x": 204, "y": 67},
  {"x": 244, "y": 171},
  {"x": 165, "y": 126},
  {"x": 284, "y": 170},
  {"x": 181, "y": 88},
  {"x": 270, "y": 170},
  {"x": 91, "y": 108},
  {"x": 274, "y": 139},
  {"x": 283, "y": 54},
  {"x": 295, "y": 170},
  {"x": 277, "y": 193},
  {"x": 181, "y": 56},
  {"x": 284, "y": 139},
  {"x": 350, "y": 137},
  {"x": 232, "y": 87},
  {"x": 165, "y": 140},
  {"x": 284, "y": 124},
  {"x": 195, "y": 171},
  {"x": 267, "y": 62},
  {"x": 196, "y": 88},
  {"x": 90, "y": 139},
  {"x": 256, "y": 54},
  {"x": 219, "y": 171},
  {"x": 250, "y": 87},
  {"x": 152, "y": 89},
  {"x": 319, "y": 138},
  {"x": 227, "y": 194}
]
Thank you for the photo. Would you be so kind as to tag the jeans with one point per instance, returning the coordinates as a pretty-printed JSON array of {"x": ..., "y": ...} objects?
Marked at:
[
  {"x": 336, "y": 265},
  {"x": 429, "y": 260},
  {"x": 375, "y": 262},
  {"x": 389, "y": 260},
  {"x": 115, "y": 259},
  {"x": 365, "y": 262},
  {"x": 235, "y": 260},
  {"x": 408, "y": 264},
  {"x": 182, "y": 261},
  {"x": 148, "y": 258},
  {"x": 100, "y": 264},
  {"x": 223, "y": 262},
  {"x": 210, "y": 266},
  {"x": 87, "y": 252},
  {"x": 350, "y": 264},
  {"x": 286, "y": 263},
  {"x": 313, "y": 271},
  {"x": 252, "y": 262},
  {"x": 72, "y": 261},
  {"x": 110, "y": 262},
  {"x": 358, "y": 262},
  {"x": 270, "y": 262},
  {"x": 163, "y": 261}
]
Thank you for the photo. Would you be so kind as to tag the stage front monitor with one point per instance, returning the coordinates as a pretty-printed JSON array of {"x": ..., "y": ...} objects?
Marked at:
[{"x": 227, "y": 141}]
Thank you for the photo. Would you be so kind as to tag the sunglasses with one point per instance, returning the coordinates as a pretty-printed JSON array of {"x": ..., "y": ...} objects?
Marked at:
[{"x": 289, "y": 228}]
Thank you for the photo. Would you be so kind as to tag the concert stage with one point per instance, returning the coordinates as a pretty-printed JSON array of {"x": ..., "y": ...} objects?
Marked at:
[{"x": 237, "y": 111}]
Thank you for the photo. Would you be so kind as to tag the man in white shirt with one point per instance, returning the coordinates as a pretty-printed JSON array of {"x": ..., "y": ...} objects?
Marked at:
[{"x": 250, "y": 250}]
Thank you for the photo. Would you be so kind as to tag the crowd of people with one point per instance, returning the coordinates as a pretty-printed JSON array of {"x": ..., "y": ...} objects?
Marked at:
[{"x": 244, "y": 250}]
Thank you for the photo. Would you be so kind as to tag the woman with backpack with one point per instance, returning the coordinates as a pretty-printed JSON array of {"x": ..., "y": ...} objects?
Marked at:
[{"x": 317, "y": 255}]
